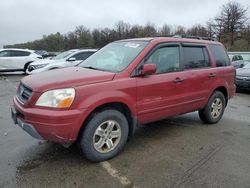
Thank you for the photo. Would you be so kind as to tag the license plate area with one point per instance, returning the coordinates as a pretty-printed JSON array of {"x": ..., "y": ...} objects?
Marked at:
[{"x": 14, "y": 115}]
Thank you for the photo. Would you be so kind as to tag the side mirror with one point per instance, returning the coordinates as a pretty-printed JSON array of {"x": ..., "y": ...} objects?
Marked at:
[
  {"x": 241, "y": 65},
  {"x": 148, "y": 69},
  {"x": 71, "y": 59}
]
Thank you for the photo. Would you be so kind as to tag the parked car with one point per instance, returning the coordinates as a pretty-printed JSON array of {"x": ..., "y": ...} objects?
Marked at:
[
  {"x": 68, "y": 58},
  {"x": 125, "y": 84},
  {"x": 243, "y": 77},
  {"x": 16, "y": 59},
  {"x": 237, "y": 60}
]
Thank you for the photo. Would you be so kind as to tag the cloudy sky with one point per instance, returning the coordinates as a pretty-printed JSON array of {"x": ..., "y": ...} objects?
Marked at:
[{"x": 27, "y": 20}]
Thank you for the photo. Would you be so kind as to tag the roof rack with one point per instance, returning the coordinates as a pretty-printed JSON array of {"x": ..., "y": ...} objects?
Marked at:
[{"x": 194, "y": 37}]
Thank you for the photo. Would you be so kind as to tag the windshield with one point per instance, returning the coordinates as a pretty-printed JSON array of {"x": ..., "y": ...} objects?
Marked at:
[
  {"x": 115, "y": 56},
  {"x": 63, "y": 55},
  {"x": 247, "y": 66}
]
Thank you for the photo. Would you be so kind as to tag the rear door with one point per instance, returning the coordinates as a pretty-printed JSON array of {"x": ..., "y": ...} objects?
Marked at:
[
  {"x": 162, "y": 94},
  {"x": 199, "y": 74},
  {"x": 18, "y": 59}
]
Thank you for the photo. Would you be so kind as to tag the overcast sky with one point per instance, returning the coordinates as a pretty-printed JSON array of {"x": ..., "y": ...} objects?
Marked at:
[{"x": 27, "y": 20}]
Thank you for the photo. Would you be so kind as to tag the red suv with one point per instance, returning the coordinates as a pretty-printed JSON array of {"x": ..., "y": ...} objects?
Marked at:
[{"x": 127, "y": 83}]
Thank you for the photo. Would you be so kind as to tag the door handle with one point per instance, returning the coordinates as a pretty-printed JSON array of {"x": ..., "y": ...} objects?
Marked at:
[
  {"x": 211, "y": 75},
  {"x": 178, "y": 80}
]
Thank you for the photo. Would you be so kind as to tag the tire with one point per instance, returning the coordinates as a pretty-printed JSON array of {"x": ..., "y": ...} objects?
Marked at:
[
  {"x": 95, "y": 142},
  {"x": 211, "y": 114},
  {"x": 26, "y": 66}
]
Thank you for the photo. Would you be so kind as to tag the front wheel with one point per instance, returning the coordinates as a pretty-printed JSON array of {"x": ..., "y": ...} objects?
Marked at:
[
  {"x": 104, "y": 136},
  {"x": 214, "y": 109}
]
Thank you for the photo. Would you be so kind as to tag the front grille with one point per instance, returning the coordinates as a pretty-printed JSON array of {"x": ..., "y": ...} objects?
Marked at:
[{"x": 23, "y": 93}]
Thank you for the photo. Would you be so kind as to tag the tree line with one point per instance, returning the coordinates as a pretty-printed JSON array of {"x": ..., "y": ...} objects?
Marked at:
[{"x": 231, "y": 27}]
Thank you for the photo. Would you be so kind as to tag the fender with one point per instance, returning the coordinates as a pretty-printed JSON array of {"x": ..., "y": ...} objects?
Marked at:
[
  {"x": 218, "y": 83},
  {"x": 98, "y": 99}
]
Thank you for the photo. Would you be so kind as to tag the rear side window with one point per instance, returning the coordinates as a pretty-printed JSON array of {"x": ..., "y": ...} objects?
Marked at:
[
  {"x": 195, "y": 57},
  {"x": 19, "y": 53},
  {"x": 220, "y": 55}
]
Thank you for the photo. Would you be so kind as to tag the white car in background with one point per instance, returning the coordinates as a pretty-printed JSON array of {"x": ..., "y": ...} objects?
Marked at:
[
  {"x": 12, "y": 59},
  {"x": 65, "y": 59}
]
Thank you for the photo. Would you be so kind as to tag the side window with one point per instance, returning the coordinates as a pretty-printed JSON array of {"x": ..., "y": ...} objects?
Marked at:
[
  {"x": 167, "y": 59},
  {"x": 17, "y": 53},
  {"x": 220, "y": 55},
  {"x": 5, "y": 53},
  {"x": 83, "y": 55},
  {"x": 195, "y": 57}
]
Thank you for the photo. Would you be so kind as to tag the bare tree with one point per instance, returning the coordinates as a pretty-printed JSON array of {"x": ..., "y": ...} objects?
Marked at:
[
  {"x": 122, "y": 28},
  {"x": 230, "y": 21},
  {"x": 165, "y": 30},
  {"x": 198, "y": 30},
  {"x": 180, "y": 30},
  {"x": 246, "y": 35}
]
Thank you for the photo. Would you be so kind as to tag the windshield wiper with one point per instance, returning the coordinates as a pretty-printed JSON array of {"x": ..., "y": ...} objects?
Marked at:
[{"x": 93, "y": 68}]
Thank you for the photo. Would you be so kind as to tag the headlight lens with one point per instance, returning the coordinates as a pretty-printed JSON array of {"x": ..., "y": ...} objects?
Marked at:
[
  {"x": 39, "y": 66},
  {"x": 59, "y": 98}
]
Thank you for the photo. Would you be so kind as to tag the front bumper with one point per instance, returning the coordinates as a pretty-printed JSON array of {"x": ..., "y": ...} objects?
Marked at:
[
  {"x": 243, "y": 84},
  {"x": 25, "y": 126},
  {"x": 61, "y": 126}
]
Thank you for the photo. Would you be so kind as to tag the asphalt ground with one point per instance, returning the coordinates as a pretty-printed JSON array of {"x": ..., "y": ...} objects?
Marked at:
[{"x": 176, "y": 152}]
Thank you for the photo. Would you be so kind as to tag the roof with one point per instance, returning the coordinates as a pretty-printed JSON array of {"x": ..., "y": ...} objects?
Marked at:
[
  {"x": 172, "y": 39},
  {"x": 17, "y": 49}
]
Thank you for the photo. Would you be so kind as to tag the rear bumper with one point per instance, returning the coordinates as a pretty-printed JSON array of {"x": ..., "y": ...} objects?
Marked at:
[{"x": 61, "y": 126}]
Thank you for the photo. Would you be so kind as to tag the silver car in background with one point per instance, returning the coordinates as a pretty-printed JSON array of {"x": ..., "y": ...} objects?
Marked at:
[{"x": 65, "y": 59}]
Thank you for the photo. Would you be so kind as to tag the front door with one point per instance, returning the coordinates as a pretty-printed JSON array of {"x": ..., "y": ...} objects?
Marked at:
[{"x": 161, "y": 95}]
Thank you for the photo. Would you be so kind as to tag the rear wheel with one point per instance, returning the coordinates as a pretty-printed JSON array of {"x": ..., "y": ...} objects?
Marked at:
[
  {"x": 104, "y": 136},
  {"x": 214, "y": 109}
]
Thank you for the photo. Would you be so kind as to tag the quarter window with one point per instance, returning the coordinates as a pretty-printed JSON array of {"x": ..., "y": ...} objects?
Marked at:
[
  {"x": 220, "y": 55},
  {"x": 195, "y": 57},
  {"x": 166, "y": 59}
]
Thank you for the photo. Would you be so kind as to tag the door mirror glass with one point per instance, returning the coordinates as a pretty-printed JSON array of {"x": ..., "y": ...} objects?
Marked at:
[
  {"x": 148, "y": 69},
  {"x": 71, "y": 59}
]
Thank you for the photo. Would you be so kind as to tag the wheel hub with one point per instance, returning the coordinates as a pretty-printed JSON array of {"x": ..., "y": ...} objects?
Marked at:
[
  {"x": 107, "y": 136},
  {"x": 216, "y": 108}
]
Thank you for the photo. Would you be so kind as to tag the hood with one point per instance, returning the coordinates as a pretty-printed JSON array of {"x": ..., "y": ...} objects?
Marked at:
[
  {"x": 243, "y": 72},
  {"x": 67, "y": 77}
]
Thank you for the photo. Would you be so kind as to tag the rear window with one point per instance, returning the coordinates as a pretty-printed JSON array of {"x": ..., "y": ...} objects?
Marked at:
[
  {"x": 195, "y": 57},
  {"x": 220, "y": 55}
]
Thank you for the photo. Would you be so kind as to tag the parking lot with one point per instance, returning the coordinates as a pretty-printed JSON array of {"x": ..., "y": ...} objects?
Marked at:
[{"x": 176, "y": 152}]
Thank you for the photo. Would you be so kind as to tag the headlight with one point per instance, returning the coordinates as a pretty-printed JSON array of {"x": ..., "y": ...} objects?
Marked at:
[
  {"x": 59, "y": 98},
  {"x": 39, "y": 66}
]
